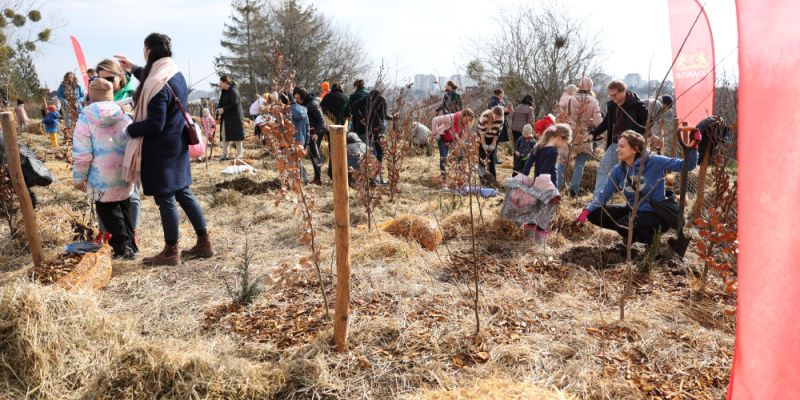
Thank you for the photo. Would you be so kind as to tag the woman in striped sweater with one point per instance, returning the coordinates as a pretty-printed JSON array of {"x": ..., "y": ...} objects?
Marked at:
[{"x": 489, "y": 126}]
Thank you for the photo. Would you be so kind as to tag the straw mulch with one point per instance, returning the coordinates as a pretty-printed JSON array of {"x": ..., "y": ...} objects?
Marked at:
[
  {"x": 495, "y": 389},
  {"x": 59, "y": 345},
  {"x": 422, "y": 230}
]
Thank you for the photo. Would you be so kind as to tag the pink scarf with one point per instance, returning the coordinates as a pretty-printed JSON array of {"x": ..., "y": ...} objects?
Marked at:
[{"x": 161, "y": 72}]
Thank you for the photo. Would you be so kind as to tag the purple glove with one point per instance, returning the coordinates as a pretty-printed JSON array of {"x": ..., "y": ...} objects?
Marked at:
[{"x": 582, "y": 218}]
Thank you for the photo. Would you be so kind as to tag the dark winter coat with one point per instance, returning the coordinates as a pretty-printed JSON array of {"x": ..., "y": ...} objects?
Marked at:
[
  {"x": 233, "y": 115},
  {"x": 315, "y": 119},
  {"x": 619, "y": 120},
  {"x": 333, "y": 106},
  {"x": 165, "y": 148},
  {"x": 451, "y": 103},
  {"x": 355, "y": 113},
  {"x": 377, "y": 113}
]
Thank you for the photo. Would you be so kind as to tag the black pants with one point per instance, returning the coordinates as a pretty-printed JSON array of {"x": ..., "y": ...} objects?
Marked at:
[
  {"x": 519, "y": 165},
  {"x": 487, "y": 160},
  {"x": 516, "y": 135},
  {"x": 616, "y": 218},
  {"x": 316, "y": 158},
  {"x": 116, "y": 217}
]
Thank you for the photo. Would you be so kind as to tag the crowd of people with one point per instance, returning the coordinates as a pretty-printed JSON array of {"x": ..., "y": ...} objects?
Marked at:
[{"x": 130, "y": 141}]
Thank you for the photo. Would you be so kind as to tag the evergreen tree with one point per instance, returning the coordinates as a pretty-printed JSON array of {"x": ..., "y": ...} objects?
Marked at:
[
  {"x": 24, "y": 78},
  {"x": 245, "y": 41},
  {"x": 314, "y": 50}
]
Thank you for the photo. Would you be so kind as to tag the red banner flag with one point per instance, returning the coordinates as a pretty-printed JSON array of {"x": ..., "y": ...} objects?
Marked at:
[
  {"x": 766, "y": 364},
  {"x": 693, "y": 71},
  {"x": 81, "y": 61}
]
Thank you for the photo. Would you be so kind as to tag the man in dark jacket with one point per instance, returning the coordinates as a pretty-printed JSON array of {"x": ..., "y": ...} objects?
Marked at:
[
  {"x": 333, "y": 104},
  {"x": 354, "y": 112},
  {"x": 624, "y": 112},
  {"x": 230, "y": 106}
]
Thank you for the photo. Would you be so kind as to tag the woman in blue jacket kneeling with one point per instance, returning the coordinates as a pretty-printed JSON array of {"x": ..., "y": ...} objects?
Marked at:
[{"x": 651, "y": 188}]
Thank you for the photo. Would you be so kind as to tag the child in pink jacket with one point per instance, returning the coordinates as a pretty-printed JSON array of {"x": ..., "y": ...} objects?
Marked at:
[{"x": 98, "y": 150}]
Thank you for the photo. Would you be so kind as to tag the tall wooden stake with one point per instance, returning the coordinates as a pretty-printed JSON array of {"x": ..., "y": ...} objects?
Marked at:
[
  {"x": 674, "y": 149},
  {"x": 9, "y": 125},
  {"x": 341, "y": 215},
  {"x": 701, "y": 185}
]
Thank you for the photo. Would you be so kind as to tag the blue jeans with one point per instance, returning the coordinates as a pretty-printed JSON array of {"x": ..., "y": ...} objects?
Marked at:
[
  {"x": 577, "y": 172},
  {"x": 609, "y": 160},
  {"x": 561, "y": 169},
  {"x": 443, "y": 150},
  {"x": 170, "y": 220}
]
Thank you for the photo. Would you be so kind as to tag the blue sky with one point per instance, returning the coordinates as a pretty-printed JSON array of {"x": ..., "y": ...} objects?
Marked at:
[{"x": 410, "y": 36}]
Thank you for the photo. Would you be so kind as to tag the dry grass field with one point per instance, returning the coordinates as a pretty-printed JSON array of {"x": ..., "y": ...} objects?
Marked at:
[{"x": 550, "y": 325}]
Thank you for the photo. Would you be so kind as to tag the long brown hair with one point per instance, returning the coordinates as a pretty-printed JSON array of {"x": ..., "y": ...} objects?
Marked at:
[
  {"x": 467, "y": 112},
  {"x": 636, "y": 141}
]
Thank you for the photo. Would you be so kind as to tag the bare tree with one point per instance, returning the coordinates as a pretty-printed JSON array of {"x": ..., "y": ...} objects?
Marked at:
[
  {"x": 315, "y": 49},
  {"x": 538, "y": 52}
]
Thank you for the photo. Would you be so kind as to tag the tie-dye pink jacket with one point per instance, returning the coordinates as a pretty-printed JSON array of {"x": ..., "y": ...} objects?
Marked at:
[{"x": 98, "y": 150}]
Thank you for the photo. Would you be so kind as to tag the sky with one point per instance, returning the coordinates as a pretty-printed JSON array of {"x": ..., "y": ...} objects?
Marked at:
[{"x": 409, "y": 37}]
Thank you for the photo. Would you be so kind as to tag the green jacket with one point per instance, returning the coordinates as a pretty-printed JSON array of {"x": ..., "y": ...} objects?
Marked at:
[{"x": 126, "y": 91}]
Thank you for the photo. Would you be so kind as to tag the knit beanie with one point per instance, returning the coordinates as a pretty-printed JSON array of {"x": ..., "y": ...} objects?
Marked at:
[
  {"x": 101, "y": 90},
  {"x": 380, "y": 86},
  {"x": 666, "y": 100},
  {"x": 586, "y": 84}
]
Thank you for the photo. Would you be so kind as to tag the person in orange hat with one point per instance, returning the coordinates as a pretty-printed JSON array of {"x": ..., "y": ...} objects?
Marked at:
[{"x": 326, "y": 88}]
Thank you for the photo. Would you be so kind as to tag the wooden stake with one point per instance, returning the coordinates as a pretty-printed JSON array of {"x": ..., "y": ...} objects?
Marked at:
[
  {"x": 674, "y": 147},
  {"x": 341, "y": 215},
  {"x": 9, "y": 125},
  {"x": 701, "y": 185}
]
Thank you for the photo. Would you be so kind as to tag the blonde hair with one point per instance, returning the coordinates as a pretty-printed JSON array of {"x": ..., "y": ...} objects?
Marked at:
[
  {"x": 466, "y": 113},
  {"x": 115, "y": 68},
  {"x": 571, "y": 89},
  {"x": 527, "y": 129},
  {"x": 555, "y": 131}
]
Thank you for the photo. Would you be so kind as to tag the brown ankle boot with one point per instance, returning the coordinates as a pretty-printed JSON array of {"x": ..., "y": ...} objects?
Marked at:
[
  {"x": 202, "y": 249},
  {"x": 168, "y": 256}
]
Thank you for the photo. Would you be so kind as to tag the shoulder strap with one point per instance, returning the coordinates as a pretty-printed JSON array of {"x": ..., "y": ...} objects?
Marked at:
[{"x": 180, "y": 105}]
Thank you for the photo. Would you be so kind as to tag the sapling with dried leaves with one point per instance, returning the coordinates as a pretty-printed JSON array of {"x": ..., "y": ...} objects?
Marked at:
[
  {"x": 718, "y": 228},
  {"x": 289, "y": 156}
]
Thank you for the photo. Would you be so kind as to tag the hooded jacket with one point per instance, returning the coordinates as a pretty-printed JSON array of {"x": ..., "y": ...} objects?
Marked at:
[
  {"x": 652, "y": 182},
  {"x": 351, "y": 110},
  {"x": 333, "y": 106},
  {"x": 98, "y": 149},
  {"x": 631, "y": 115}
]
